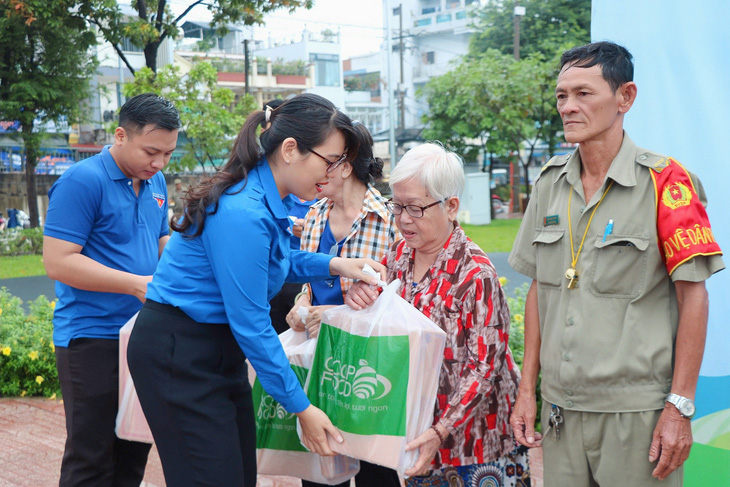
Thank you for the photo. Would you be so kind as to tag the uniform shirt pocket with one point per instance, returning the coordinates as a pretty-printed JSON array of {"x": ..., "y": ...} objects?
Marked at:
[
  {"x": 549, "y": 252},
  {"x": 619, "y": 266}
]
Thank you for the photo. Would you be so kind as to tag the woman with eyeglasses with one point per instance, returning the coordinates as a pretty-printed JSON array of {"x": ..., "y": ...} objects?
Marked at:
[
  {"x": 207, "y": 307},
  {"x": 451, "y": 280},
  {"x": 351, "y": 220}
]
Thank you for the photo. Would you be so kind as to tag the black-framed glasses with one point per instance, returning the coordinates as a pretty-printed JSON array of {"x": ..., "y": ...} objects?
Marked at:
[
  {"x": 414, "y": 210},
  {"x": 331, "y": 165}
]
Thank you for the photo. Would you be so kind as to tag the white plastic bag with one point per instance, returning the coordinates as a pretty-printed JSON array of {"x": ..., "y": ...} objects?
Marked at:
[
  {"x": 131, "y": 422},
  {"x": 278, "y": 449},
  {"x": 375, "y": 373}
]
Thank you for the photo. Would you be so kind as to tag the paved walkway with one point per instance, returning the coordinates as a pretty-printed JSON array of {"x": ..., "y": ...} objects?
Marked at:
[{"x": 32, "y": 435}]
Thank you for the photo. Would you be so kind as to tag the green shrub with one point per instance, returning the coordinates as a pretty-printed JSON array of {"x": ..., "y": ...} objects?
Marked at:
[
  {"x": 27, "y": 241},
  {"x": 27, "y": 353},
  {"x": 517, "y": 334}
]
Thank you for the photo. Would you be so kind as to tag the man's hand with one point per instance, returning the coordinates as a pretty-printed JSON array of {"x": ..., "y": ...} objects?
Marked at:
[
  {"x": 522, "y": 420},
  {"x": 671, "y": 442}
]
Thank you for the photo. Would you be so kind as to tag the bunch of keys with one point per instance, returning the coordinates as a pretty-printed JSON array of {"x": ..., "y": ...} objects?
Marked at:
[{"x": 556, "y": 419}]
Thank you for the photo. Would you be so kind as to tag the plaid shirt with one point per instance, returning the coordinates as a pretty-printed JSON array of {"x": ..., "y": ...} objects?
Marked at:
[
  {"x": 479, "y": 378},
  {"x": 370, "y": 235}
]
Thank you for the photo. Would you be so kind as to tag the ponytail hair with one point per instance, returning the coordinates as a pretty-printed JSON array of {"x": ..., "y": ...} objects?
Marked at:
[
  {"x": 307, "y": 118},
  {"x": 366, "y": 167}
]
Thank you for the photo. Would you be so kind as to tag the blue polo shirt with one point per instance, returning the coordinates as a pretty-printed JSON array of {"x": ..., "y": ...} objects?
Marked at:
[
  {"x": 298, "y": 208},
  {"x": 231, "y": 271},
  {"x": 93, "y": 204}
]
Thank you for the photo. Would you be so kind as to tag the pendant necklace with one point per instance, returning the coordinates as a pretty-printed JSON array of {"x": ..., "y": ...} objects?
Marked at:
[{"x": 571, "y": 274}]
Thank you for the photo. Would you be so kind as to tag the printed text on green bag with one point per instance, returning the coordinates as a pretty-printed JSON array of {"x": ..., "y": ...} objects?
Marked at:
[
  {"x": 276, "y": 429},
  {"x": 361, "y": 382}
]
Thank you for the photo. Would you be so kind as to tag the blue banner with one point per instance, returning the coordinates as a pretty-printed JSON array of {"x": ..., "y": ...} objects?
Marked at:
[{"x": 680, "y": 52}]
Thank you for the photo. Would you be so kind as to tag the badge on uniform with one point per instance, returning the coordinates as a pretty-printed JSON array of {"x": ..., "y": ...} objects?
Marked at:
[{"x": 550, "y": 220}]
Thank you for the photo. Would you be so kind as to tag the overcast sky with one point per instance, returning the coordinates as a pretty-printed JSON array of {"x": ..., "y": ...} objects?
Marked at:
[{"x": 360, "y": 23}]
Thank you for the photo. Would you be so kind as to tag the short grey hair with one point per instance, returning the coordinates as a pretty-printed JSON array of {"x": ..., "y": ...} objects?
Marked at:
[{"x": 439, "y": 171}]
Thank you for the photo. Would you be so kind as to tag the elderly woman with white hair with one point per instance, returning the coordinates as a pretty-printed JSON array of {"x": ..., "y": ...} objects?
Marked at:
[{"x": 450, "y": 279}]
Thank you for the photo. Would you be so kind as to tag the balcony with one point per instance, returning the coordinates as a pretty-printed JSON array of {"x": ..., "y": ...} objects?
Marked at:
[{"x": 454, "y": 18}]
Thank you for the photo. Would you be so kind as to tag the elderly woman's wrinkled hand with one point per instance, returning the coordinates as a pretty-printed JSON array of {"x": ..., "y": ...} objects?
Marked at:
[
  {"x": 292, "y": 317},
  {"x": 361, "y": 295},
  {"x": 314, "y": 320},
  {"x": 427, "y": 444}
]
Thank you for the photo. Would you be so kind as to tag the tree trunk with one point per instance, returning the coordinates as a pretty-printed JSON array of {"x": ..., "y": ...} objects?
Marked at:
[
  {"x": 32, "y": 146},
  {"x": 150, "y": 55}
]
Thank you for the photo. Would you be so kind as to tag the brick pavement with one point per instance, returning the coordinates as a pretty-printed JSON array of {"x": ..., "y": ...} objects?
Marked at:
[{"x": 32, "y": 435}]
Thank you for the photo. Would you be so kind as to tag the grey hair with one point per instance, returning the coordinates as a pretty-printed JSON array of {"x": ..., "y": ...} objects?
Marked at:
[{"x": 439, "y": 171}]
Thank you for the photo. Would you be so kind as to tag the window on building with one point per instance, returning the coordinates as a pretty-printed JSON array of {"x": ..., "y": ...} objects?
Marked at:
[
  {"x": 326, "y": 69},
  {"x": 429, "y": 57},
  {"x": 127, "y": 46}
]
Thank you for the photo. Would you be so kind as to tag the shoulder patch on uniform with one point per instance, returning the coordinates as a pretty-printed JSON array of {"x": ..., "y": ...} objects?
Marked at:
[
  {"x": 556, "y": 161},
  {"x": 657, "y": 162}
]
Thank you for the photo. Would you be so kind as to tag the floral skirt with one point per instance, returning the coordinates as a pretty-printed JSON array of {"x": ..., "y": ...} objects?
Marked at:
[{"x": 511, "y": 470}]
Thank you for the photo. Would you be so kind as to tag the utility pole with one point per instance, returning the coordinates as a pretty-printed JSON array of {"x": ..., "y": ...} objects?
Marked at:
[
  {"x": 519, "y": 13},
  {"x": 245, "y": 61},
  {"x": 515, "y": 197},
  {"x": 401, "y": 90},
  {"x": 391, "y": 101}
]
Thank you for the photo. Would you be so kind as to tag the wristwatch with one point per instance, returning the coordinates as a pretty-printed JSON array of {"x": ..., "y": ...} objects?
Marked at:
[{"x": 685, "y": 405}]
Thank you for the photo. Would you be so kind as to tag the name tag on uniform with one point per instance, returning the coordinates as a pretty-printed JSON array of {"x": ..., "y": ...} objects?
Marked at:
[{"x": 550, "y": 220}]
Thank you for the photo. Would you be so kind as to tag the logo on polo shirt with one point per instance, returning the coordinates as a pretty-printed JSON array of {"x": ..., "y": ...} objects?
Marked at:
[{"x": 160, "y": 198}]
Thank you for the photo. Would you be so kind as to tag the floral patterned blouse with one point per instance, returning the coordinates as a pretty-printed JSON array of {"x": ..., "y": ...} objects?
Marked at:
[{"x": 479, "y": 378}]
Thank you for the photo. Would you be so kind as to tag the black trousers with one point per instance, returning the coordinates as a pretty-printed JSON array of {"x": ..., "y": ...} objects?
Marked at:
[
  {"x": 281, "y": 304},
  {"x": 88, "y": 370},
  {"x": 370, "y": 475},
  {"x": 192, "y": 383}
]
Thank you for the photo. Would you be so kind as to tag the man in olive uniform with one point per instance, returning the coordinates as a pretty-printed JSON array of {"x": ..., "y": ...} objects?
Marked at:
[{"x": 618, "y": 245}]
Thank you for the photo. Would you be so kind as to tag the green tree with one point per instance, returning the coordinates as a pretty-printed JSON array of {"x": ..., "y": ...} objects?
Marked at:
[
  {"x": 44, "y": 72},
  {"x": 211, "y": 115},
  {"x": 502, "y": 105},
  {"x": 155, "y": 20},
  {"x": 548, "y": 27}
]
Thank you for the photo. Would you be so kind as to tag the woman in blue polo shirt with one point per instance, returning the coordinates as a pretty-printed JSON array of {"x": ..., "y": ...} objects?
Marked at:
[{"x": 207, "y": 305}]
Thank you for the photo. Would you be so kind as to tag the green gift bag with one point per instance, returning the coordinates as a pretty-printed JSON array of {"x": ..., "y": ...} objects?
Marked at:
[
  {"x": 375, "y": 373},
  {"x": 278, "y": 449}
]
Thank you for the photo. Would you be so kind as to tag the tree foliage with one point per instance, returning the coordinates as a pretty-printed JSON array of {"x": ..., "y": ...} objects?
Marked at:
[
  {"x": 548, "y": 27},
  {"x": 505, "y": 105},
  {"x": 211, "y": 115},
  {"x": 44, "y": 71},
  {"x": 155, "y": 21}
]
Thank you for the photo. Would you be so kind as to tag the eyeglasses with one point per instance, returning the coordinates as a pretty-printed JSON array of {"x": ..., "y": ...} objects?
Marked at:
[
  {"x": 414, "y": 210},
  {"x": 331, "y": 165}
]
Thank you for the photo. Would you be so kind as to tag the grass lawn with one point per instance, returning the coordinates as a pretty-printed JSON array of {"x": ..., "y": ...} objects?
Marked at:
[
  {"x": 21, "y": 266},
  {"x": 495, "y": 237},
  {"x": 498, "y": 236}
]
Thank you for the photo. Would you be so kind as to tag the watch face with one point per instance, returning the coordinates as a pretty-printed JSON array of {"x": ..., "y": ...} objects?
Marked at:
[{"x": 687, "y": 408}]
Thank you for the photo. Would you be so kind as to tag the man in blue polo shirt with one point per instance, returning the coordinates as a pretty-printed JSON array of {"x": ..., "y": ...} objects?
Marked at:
[{"x": 105, "y": 230}]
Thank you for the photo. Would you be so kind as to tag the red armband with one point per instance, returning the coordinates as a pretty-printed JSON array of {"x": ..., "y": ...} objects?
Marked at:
[{"x": 683, "y": 227}]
